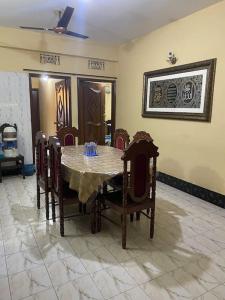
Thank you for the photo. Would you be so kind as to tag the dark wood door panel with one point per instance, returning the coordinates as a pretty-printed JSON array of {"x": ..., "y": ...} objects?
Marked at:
[
  {"x": 63, "y": 110},
  {"x": 92, "y": 110}
]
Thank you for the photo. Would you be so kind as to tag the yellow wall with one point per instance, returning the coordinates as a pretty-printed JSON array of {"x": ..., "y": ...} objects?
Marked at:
[
  {"x": 20, "y": 49},
  {"x": 108, "y": 102},
  {"x": 35, "y": 82},
  {"x": 47, "y": 105},
  {"x": 193, "y": 151}
]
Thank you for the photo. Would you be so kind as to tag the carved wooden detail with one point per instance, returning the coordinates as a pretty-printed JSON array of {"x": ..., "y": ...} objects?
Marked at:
[
  {"x": 142, "y": 135},
  {"x": 121, "y": 139},
  {"x": 68, "y": 135}
]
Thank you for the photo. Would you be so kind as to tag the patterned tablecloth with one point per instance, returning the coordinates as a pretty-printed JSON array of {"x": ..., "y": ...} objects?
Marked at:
[{"x": 86, "y": 174}]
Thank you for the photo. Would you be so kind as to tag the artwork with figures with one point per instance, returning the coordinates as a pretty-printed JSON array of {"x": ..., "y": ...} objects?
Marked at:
[{"x": 180, "y": 92}]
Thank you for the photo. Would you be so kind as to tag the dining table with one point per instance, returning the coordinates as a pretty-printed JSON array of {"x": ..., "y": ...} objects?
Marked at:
[{"x": 87, "y": 174}]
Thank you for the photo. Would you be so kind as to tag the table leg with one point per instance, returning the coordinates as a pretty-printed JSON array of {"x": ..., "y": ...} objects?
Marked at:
[
  {"x": 93, "y": 217},
  {"x": 93, "y": 212}
]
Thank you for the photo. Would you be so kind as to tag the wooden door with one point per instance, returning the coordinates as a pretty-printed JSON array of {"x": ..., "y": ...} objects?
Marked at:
[
  {"x": 35, "y": 116},
  {"x": 63, "y": 109},
  {"x": 91, "y": 112}
]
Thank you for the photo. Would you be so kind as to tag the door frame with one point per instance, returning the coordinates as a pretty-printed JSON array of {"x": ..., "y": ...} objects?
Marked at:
[
  {"x": 51, "y": 76},
  {"x": 33, "y": 137},
  {"x": 80, "y": 80}
]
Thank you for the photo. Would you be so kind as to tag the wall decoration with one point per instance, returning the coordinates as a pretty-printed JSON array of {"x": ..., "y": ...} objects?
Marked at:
[
  {"x": 96, "y": 64},
  {"x": 49, "y": 59},
  {"x": 172, "y": 59},
  {"x": 182, "y": 92}
]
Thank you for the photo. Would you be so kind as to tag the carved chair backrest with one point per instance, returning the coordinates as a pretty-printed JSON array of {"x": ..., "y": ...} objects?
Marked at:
[
  {"x": 55, "y": 165},
  {"x": 121, "y": 139},
  {"x": 142, "y": 135},
  {"x": 41, "y": 145},
  {"x": 137, "y": 180},
  {"x": 67, "y": 136}
]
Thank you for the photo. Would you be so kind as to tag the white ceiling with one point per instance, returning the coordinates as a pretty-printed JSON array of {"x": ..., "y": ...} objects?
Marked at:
[{"x": 111, "y": 21}]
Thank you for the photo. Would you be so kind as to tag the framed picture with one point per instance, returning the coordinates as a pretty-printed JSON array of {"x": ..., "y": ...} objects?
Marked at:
[{"x": 182, "y": 92}]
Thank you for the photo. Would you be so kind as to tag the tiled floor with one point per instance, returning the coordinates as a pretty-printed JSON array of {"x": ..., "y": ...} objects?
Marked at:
[{"x": 185, "y": 260}]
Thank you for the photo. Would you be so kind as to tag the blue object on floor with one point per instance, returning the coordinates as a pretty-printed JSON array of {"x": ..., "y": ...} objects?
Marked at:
[{"x": 28, "y": 170}]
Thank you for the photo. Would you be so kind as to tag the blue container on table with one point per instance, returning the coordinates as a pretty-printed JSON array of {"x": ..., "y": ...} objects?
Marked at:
[{"x": 90, "y": 149}]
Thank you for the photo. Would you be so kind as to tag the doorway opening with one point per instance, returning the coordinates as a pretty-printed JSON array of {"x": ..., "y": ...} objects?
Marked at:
[
  {"x": 96, "y": 110},
  {"x": 50, "y": 101}
]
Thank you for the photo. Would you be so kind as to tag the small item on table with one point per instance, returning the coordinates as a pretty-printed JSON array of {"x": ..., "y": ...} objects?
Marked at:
[{"x": 90, "y": 149}]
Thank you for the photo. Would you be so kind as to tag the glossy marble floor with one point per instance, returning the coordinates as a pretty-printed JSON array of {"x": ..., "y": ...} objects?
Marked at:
[{"x": 186, "y": 259}]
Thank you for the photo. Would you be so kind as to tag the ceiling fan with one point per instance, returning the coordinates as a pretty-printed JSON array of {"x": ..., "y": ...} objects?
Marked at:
[{"x": 61, "y": 27}]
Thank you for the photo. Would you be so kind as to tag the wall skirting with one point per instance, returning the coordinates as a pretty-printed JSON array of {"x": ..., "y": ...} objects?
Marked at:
[{"x": 195, "y": 190}]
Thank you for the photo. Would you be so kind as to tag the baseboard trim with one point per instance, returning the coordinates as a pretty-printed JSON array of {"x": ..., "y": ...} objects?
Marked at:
[{"x": 195, "y": 190}]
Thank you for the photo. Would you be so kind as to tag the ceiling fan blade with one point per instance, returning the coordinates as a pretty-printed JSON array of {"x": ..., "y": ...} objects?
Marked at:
[
  {"x": 32, "y": 28},
  {"x": 78, "y": 35},
  {"x": 65, "y": 19}
]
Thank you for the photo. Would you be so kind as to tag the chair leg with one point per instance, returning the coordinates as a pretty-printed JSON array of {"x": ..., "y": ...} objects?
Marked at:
[
  {"x": 47, "y": 205},
  {"x": 93, "y": 217},
  {"x": 61, "y": 216},
  {"x": 138, "y": 215},
  {"x": 124, "y": 230},
  {"x": 152, "y": 223},
  {"x": 38, "y": 196},
  {"x": 53, "y": 206},
  {"x": 148, "y": 211},
  {"x": 84, "y": 208},
  {"x": 132, "y": 217},
  {"x": 99, "y": 223},
  {"x": 80, "y": 207}
]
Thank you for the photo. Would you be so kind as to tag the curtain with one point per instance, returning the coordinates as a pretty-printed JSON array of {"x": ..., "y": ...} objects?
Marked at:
[{"x": 15, "y": 108}]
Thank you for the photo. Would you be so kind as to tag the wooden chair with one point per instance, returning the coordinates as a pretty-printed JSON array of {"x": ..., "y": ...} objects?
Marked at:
[
  {"x": 139, "y": 135},
  {"x": 138, "y": 194},
  {"x": 121, "y": 139},
  {"x": 59, "y": 188},
  {"x": 142, "y": 135},
  {"x": 67, "y": 136},
  {"x": 43, "y": 180}
]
